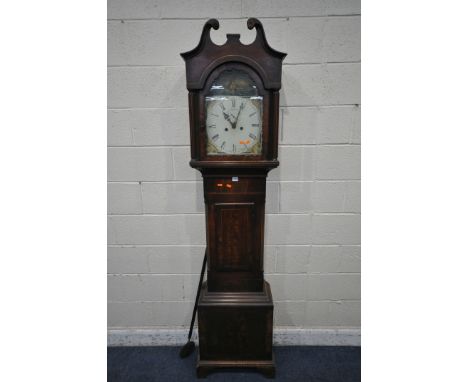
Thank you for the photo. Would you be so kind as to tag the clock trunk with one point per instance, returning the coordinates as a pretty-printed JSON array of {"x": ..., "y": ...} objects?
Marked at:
[{"x": 235, "y": 215}]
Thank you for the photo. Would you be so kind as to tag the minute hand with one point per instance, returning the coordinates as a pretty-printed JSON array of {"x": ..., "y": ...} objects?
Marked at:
[{"x": 240, "y": 109}]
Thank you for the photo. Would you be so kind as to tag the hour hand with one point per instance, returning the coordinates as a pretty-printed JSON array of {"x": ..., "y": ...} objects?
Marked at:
[{"x": 227, "y": 118}]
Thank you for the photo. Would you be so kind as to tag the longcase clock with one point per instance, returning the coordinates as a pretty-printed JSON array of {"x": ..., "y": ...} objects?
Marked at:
[{"x": 234, "y": 106}]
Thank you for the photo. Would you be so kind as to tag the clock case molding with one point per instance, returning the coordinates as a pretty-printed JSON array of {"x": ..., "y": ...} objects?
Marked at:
[{"x": 235, "y": 309}]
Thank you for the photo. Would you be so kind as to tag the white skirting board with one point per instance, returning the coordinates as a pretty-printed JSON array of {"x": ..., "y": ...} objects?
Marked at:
[{"x": 281, "y": 337}]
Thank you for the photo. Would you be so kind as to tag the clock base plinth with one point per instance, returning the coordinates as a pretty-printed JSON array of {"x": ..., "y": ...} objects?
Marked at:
[
  {"x": 267, "y": 368},
  {"x": 235, "y": 330}
]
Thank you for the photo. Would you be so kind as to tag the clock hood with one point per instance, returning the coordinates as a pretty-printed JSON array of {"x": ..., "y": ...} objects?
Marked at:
[{"x": 258, "y": 55}]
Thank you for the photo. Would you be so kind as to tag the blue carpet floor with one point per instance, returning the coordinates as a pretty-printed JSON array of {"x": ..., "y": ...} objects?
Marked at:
[{"x": 293, "y": 363}]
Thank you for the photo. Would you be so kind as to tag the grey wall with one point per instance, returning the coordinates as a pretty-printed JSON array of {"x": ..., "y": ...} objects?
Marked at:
[{"x": 155, "y": 203}]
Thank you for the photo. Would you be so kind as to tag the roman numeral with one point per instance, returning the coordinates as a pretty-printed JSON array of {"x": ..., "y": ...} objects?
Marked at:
[
  {"x": 222, "y": 145},
  {"x": 252, "y": 136},
  {"x": 212, "y": 126},
  {"x": 242, "y": 106},
  {"x": 215, "y": 137},
  {"x": 233, "y": 101},
  {"x": 255, "y": 125},
  {"x": 233, "y": 148},
  {"x": 251, "y": 115},
  {"x": 222, "y": 106}
]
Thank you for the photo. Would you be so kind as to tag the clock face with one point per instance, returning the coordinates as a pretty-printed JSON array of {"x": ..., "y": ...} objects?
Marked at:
[{"x": 234, "y": 125}]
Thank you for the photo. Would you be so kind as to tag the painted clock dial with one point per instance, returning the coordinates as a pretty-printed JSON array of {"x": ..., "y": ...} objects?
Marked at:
[{"x": 233, "y": 116}]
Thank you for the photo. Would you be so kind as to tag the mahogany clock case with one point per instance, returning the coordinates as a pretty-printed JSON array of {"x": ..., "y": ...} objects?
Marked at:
[{"x": 235, "y": 311}]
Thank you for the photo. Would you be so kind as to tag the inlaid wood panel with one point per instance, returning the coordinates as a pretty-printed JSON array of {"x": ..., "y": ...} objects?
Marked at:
[
  {"x": 236, "y": 242},
  {"x": 234, "y": 231}
]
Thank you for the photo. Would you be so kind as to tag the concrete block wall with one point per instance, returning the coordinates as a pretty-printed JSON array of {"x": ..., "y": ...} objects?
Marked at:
[{"x": 155, "y": 202}]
